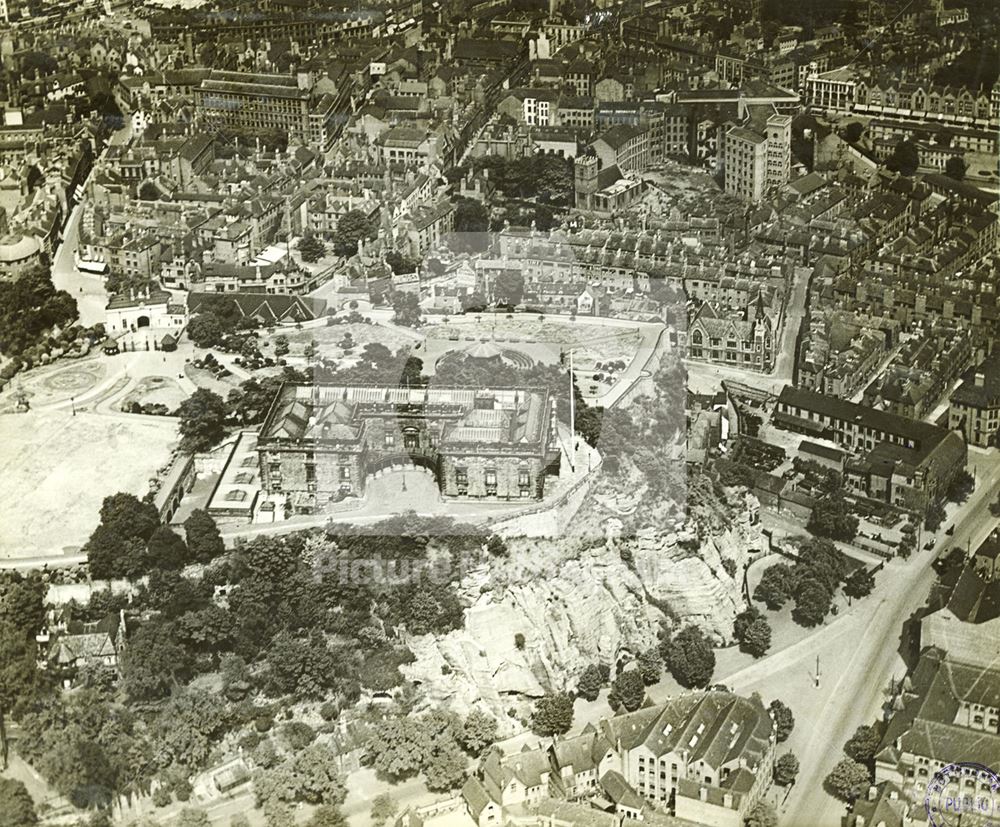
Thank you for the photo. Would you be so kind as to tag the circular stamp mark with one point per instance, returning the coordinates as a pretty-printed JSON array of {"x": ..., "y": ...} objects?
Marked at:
[{"x": 963, "y": 793}]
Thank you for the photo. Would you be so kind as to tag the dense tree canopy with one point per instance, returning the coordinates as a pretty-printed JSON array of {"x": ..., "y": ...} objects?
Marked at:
[
  {"x": 203, "y": 538},
  {"x": 352, "y": 227},
  {"x": 553, "y": 714},
  {"x": 783, "y": 719},
  {"x": 690, "y": 657},
  {"x": 117, "y": 547},
  {"x": 30, "y": 307},
  {"x": 848, "y": 780},
  {"x": 16, "y": 806},
  {"x": 311, "y": 248},
  {"x": 628, "y": 691},
  {"x": 752, "y": 632},
  {"x": 833, "y": 517},
  {"x": 203, "y": 420}
]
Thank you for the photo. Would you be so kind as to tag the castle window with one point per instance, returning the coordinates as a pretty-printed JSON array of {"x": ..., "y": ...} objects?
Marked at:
[{"x": 491, "y": 480}]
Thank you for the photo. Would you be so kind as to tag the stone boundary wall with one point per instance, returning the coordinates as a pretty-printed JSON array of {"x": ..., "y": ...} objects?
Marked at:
[
  {"x": 643, "y": 384},
  {"x": 548, "y": 519}
]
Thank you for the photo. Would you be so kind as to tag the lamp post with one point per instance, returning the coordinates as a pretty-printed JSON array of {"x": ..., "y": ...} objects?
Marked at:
[{"x": 72, "y": 402}]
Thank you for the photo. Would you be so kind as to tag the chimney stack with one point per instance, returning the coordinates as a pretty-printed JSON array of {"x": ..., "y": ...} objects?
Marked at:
[{"x": 980, "y": 379}]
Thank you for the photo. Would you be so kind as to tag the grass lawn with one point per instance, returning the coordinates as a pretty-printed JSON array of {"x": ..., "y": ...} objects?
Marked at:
[
  {"x": 156, "y": 390},
  {"x": 328, "y": 339},
  {"x": 594, "y": 343},
  {"x": 56, "y": 469}
]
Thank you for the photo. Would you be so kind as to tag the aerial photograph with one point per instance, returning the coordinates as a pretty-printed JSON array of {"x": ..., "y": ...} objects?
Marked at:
[{"x": 500, "y": 413}]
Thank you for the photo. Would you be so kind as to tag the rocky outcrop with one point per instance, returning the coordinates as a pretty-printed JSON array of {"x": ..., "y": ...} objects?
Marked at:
[
  {"x": 539, "y": 617},
  {"x": 536, "y": 621},
  {"x": 686, "y": 574}
]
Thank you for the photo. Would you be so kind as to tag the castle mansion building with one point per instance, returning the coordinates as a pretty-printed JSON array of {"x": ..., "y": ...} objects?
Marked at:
[{"x": 320, "y": 442}]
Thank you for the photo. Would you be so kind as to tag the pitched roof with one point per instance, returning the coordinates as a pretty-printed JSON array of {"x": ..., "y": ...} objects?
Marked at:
[
  {"x": 620, "y": 791},
  {"x": 938, "y": 687},
  {"x": 974, "y": 600}
]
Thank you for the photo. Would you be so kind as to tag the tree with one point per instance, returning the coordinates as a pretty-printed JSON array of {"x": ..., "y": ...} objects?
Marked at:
[
  {"x": 784, "y": 721},
  {"x": 863, "y": 744},
  {"x": 859, "y": 583},
  {"x": 592, "y": 681},
  {"x": 474, "y": 302},
  {"x": 847, "y": 780},
  {"x": 754, "y": 636},
  {"x": 397, "y": 748},
  {"x": 471, "y": 216},
  {"x": 786, "y": 768},
  {"x": 16, "y": 806},
  {"x": 353, "y": 226},
  {"x": 312, "y": 248},
  {"x": 205, "y": 329},
  {"x": 327, "y": 815},
  {"x": 190, "y": 817},
  {"x": 281, "y": 347},
  {"x": 853, "y": 132},
  {"x": 445, "y": 767},
  {"x": 761, "y": 814},
  {"x": 812, "y": 603},
  {"x": 311, "y": 776},
  {"x": 384, "y": 807},
  {"x": 690, "y": 658},
  {"x": 905, "y": 158},
  {"x": 188, "y": 726},
  {"x": 203, "y": 416},
  {"x": 955, "y": 167},
  {"x": 79, "y": 769},
  {"x": 775, "y": 586},
  {"x": 302, "y": 667},
  {"x": 298, "y": 735},
  {"x": 317, "y": 775},
  {"x": 166, "y": 549},
  {"x": 628, "y": 690},
  {"x": 960, "y": 487},
  {"x": 478, "y": 732},
  {"x": 832, "y": 517},
  {"x": 406, "y": 308},
  {"x": 129, "y": 515},
  {"x": 935, "y": 516},
  {"x": 278, "y": 814},
  {"x": 508, "y": 289},
  {"x": 117, "y": 547},
  {"x": 650, "y": 666},
  {"x": 472, "y": 220},
  {"x": 553, "y": 714},
  {"x": 203, "y": 537},
  {"x": 153, "y": 662}
]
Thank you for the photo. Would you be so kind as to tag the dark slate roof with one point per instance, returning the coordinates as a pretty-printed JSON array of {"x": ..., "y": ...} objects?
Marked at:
[
  {"x": 973, "y": 599},
  {"x": 277, "y": 306},
  {"x": 926, "y": 436},
  {"x": 986, "y": 395}
]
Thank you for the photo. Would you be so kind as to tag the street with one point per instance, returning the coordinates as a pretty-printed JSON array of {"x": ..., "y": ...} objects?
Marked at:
[
  {"x": 86, "y": 288},
  {"x": 856, "y": 674},
  {"x": 795, "y": 311}
]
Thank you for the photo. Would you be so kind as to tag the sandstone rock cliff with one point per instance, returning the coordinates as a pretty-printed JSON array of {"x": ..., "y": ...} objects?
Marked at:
[{"x": 539, "y": 617}]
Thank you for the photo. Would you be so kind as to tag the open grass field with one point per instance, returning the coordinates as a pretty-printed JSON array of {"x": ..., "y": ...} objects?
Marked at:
[{"x": 55, "y": 469}]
